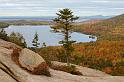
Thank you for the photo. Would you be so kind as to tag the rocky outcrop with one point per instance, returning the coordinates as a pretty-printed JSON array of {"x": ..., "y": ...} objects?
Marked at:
[
  {"x": 12, "y": 72},
  {"x": 32, "y": 62},
  {"x": 84, "y": 70},
  {"x": 9, "y": 45},
  {"x": 8, "y": 69},
  {"x": 5, "y": 77}
]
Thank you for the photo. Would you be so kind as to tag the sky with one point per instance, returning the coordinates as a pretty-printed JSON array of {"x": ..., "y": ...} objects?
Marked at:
[{"x": 50, "y": 7}]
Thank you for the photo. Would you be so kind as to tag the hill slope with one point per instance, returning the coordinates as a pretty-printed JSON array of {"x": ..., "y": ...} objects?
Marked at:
[
  {"x": 114, "y": 22},
  {"x": 3, "y": 25},
  {"x": 111, "y": 29}
]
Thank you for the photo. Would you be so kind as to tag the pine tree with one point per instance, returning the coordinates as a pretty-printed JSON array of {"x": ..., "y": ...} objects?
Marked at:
[
  {"x": 44, "y": 44},
  {"x": 35, "y": 41},
  {"x": 3, "y": 34},
  {"x": 63, "y": 24},
  {"x": 18, "y": 39}
]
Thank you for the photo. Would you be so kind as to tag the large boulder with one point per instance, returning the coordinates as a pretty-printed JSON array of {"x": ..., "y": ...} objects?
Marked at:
[{"x": 33, "y": 62}]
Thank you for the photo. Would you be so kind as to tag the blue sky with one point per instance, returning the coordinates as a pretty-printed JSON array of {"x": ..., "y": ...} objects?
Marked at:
[{"x": 50, "y": 7}]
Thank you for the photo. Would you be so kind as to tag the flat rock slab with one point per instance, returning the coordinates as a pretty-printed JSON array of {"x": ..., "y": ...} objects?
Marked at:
[
  {"x": 84, "y": 70},
  {"x": 4, "y": 77}
]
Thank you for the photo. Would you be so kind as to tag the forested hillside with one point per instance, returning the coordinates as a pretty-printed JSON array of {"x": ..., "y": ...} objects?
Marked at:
[
  {"x": 110, "y": 29},
  {"x": 3, "y": 25}
]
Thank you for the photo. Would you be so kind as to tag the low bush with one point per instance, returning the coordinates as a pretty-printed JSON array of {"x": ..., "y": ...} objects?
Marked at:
[
  {"x": 42, "y": 69},
  {"x": 16, "y": 38},
  {"x": 69, "y": 69}
]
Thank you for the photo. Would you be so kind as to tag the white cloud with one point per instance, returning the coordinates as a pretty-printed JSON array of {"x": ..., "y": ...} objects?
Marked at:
[
  {"x": 101, "y": 1},
  {"x": 49, "y": 7}
]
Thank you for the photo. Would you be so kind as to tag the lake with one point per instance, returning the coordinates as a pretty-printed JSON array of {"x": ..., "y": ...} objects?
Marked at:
[{"x": 45, "y": 34}]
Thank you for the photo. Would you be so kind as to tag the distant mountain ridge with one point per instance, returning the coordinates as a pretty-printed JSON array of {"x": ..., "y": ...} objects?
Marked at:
[
  {"x": 95, "y": 17},
  {"x": 12, "y": 18},
  {"x": 49, "y": 18}
]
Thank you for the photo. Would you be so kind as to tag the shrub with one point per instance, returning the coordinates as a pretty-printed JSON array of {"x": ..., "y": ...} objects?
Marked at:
[
  {"x": 42, "y": 69},
  {"x": 18, "y": 39},
  {"x": 118, "y": 71},
  {"x": 61, "y": 55},
  {"x": 69, "y": 69}
]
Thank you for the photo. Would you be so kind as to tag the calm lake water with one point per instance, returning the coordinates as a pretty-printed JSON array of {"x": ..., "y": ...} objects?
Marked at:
[{"x": 45, "y": 34}]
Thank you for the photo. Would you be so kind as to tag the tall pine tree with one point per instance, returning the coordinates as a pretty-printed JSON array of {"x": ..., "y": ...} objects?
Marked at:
[{"x": 63, "y": 24}]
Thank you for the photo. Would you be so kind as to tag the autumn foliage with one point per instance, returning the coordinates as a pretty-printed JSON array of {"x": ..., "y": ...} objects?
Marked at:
[{"x": 107, "y": 56}]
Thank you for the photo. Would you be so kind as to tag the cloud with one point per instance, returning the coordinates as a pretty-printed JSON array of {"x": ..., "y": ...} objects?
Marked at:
[
  {"x": 100, "y": 1},
  {"x": 107, "y": 1},
  {"x": 49, "y": 7}
]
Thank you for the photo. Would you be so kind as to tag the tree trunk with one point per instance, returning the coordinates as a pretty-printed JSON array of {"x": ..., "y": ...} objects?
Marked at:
[
  {"x": 68, "y": 60},
  {"x": 67, "y": 43}
]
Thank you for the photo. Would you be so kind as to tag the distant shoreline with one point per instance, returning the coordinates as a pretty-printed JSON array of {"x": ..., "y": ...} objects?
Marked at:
[{"x": 26, "y": 22}]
